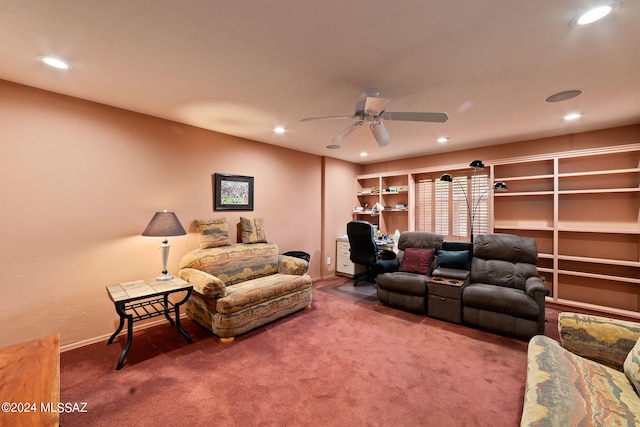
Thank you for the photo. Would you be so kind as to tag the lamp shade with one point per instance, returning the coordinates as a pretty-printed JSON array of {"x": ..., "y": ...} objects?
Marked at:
[
  {"x": 164, "y": 224},
  {"x": 446, "y": 178},
  {"x": 477, "y": 164}
]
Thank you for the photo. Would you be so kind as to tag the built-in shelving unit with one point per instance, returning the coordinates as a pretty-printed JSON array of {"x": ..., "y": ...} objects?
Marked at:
[
  {"x": 393, "y": 191},
  {"x": 582, "y": 207}
]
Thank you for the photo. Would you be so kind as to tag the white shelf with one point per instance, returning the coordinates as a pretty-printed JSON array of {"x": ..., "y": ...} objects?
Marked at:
[
  {"x": 595, "y": 230},
  {"x": 594, "y": 307},
  {"x": 598, "y": 173},
  {"x": 524, "y": 178},
  {"x": 599, "y": 276},
  {"x": 606, "y": 261},
  {"x": 599, "y": 191},
  {"x": 523, "y": 227},
  {"x": 524, "y": 193}
]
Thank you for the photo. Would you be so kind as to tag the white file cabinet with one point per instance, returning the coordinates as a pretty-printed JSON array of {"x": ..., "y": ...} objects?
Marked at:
[{"x": 344, "y": 266}]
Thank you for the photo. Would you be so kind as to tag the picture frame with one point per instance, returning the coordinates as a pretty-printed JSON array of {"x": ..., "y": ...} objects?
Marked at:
[{"x": 232, "y": 192}]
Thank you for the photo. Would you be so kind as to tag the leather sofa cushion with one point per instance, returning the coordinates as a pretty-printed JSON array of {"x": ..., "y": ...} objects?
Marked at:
[
  {"x": 501, "y": 273},
  {"x": 457, "y": 260},
  {"x": 403, "y": 282},
  {"x": 420, "y": 239},
  {"x": 451, "y": 273},
  {"x": 513, "y": 302},
  {"x": 506, "y": 247}
]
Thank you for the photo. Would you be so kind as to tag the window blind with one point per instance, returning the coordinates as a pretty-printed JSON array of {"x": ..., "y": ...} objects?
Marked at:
[{"x": 442, "y": 206}]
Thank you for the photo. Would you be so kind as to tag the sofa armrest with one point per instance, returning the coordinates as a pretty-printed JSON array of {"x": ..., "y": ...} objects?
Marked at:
[
  {"x": 203, "y": 282},
  {"x": 601, "y": 339},
  {"x": 292, "y": 265},
  {"x": 534, "y": 285}
]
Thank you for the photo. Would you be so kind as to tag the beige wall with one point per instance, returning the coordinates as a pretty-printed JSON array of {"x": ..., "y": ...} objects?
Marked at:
[
  {"x": 339, "y": 199},
  {"x": 79, "y": 182}
]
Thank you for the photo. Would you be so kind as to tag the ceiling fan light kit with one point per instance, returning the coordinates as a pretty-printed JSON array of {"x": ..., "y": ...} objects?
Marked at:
[{"x": 371, "y": 110}]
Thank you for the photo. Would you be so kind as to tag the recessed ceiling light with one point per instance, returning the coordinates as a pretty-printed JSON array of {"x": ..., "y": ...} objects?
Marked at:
[
  {"x": 56, "y": 62},
  {"x": 572, "y": 116},
  {"x": 563, "y": 96},
  {"x": 595, "y": 14},
  {"x": 442, "y": 139},
  {"x": 279, "y": 129},
  {"x": 333, "y": 146},
  {"x": 364, "y": 154}
]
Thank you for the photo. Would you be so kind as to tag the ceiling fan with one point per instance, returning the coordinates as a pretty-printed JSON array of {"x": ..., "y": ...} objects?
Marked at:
[{"x": 371, "y": 111}]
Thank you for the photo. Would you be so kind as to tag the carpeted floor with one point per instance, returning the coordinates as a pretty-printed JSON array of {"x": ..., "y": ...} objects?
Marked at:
[
  {"x": 347, "y": 361},
  {"x": 363, "y": 293}
]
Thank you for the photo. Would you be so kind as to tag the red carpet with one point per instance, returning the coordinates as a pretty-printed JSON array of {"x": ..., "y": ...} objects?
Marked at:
[{"x": 343, "y": 363}]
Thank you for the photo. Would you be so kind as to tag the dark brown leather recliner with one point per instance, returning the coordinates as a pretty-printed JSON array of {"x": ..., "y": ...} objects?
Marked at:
[
  {"x": 404, "y": 290},
  {"x": 505, "y": 293}
]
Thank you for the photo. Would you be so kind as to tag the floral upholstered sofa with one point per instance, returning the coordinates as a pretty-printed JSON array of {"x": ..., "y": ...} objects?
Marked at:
[
  {"x": 239, "y": 287},
  {"x": 590, "y": 379}
]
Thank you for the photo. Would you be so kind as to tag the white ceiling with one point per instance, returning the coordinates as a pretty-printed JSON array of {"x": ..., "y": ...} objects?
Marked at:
[{"x": 244, "y": 67}]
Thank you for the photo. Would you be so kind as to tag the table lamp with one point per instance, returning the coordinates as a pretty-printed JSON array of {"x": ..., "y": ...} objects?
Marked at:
[{"x": 164, "y": 224}]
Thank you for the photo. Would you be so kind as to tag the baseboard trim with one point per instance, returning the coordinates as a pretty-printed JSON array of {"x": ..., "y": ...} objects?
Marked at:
[{"x": 105, "y": 337}]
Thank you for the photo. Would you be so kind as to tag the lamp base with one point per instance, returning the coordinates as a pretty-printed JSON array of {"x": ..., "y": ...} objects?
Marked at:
[{"x": 164, "y": 277}]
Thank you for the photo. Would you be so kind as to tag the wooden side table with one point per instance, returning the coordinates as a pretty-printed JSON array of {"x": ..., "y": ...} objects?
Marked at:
[{"x": 140, "y": 300}]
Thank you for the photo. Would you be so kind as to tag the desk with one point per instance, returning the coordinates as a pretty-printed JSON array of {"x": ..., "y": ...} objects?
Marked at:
[
  {"x": 387, "y": 245},
  {"x": 141, "y": 300}
]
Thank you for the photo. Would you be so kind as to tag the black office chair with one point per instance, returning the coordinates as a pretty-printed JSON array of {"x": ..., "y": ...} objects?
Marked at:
[{"x": 364, "y": 251}]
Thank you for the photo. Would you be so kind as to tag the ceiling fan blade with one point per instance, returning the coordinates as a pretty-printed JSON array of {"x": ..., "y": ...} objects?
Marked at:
[
  {"x": 342, "y": 135},
  {"x": 329, "y": 117},
  {"x": 416, "y": 117},
  {"x": 374, "y": 105},
  {"x": 380, "y": 134}
]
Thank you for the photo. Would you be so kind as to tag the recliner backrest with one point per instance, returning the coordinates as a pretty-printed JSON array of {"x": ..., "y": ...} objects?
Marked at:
[
  {"x": 504, "y": 260},
  {"x": 362, "y": 243},
  {"x": 420, "y": 240}
]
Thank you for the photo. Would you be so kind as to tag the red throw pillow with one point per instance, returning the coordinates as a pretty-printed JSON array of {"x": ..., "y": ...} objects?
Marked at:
[{"x": 417, "y": 260}]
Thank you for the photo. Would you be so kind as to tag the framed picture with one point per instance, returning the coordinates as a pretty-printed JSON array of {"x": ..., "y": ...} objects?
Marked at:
[{"x": 232, "y": 192}]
